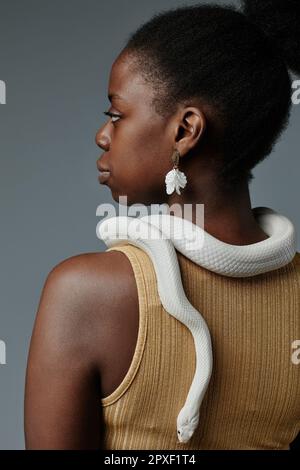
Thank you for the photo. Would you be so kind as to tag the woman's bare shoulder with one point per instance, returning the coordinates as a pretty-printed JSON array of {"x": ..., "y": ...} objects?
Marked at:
[
  {"x": 82, "y": 296},
  {"x": 91, "y": 282},
  {"x": 75, "y": 320},
  {"x": 86, "y": 268}
]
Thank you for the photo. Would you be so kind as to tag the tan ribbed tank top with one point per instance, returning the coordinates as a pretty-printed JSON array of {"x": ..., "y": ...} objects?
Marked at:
[{"x": 253, "y": 399}]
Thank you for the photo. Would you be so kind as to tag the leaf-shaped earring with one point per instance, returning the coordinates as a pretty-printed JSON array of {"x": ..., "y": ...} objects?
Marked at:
[{"x": 175, "y": 179}]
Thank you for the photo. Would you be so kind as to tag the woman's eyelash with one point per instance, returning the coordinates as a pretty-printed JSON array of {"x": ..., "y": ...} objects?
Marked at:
[{"x": 112, "y": 115}]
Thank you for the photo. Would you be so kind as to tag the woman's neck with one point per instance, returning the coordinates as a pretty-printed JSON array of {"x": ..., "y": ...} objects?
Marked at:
[{"x": 227, "y": 216}]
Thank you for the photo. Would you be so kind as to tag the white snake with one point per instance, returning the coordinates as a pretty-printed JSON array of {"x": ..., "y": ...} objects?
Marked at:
[{"x": 159, "y": 235}]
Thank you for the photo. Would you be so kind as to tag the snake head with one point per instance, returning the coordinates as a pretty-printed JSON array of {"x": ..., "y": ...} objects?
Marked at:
[{"x": 186, "y": 426}]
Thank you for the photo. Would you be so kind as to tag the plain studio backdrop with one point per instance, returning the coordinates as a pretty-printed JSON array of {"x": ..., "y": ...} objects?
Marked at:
[{"x": 55, "y": 58}]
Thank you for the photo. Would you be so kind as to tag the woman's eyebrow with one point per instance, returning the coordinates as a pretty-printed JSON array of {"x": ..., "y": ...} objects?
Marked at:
[{"x": 114, "y": 95}]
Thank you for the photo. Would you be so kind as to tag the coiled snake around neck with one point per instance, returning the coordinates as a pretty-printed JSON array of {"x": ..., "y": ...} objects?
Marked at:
[{"x": 160, "y": 235}]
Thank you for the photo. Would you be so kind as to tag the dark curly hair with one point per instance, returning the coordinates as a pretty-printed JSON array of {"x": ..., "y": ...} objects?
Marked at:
[{"x": 234, "y": 60}]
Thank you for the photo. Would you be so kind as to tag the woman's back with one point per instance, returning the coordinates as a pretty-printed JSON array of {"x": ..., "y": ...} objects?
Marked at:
[{"x": 252, "y": 401}]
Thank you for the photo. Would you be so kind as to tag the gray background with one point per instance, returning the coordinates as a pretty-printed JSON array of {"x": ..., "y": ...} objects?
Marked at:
[{"x": 55, "y": 58}]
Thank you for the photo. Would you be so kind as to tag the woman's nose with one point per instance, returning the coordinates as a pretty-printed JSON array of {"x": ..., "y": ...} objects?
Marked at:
[{"x": 102, "y": 140}]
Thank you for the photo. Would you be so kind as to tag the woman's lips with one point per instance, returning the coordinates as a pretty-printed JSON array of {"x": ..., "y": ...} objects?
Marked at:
[{"x": 103, "y": 177}]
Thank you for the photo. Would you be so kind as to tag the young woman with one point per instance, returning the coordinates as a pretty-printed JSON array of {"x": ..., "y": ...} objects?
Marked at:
[{"x": 108, "y": 366}]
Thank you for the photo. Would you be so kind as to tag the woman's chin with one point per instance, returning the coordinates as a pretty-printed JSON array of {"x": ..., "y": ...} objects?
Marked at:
[
  {"x": 124, "y": 199},
  {"x": 134, "y": 197}
]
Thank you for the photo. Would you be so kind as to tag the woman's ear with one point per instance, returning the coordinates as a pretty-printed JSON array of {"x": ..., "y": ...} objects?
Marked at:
[{"x": 191, "y": 126}]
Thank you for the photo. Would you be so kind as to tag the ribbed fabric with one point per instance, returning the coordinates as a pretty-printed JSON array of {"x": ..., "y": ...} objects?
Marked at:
[{"x": 253, "y": 399}]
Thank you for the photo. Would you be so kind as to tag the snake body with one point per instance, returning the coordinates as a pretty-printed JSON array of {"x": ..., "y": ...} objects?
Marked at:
[{"x": 160, "y": 235}]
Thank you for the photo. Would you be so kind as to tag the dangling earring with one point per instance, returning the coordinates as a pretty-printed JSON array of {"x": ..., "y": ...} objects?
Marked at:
[{"x": 175, "y": 179}]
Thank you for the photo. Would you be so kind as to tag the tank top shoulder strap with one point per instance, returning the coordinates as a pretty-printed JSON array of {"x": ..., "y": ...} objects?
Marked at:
[{"x": 148, "y": 300}]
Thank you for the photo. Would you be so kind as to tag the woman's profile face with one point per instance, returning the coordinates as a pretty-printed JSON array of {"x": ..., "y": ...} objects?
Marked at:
[{"x": 136, "y": 140}]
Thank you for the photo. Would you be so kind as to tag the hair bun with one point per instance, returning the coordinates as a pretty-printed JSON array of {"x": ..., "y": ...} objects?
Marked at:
[{"x": 280, "y": 21}]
